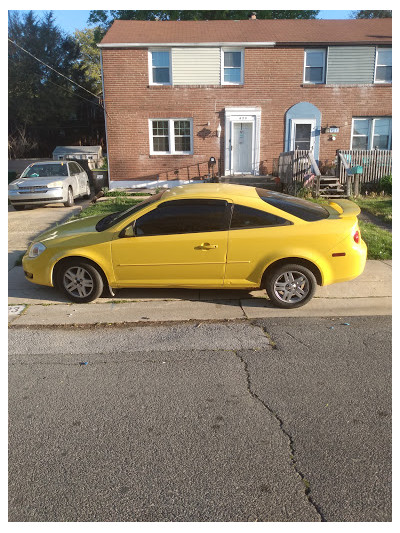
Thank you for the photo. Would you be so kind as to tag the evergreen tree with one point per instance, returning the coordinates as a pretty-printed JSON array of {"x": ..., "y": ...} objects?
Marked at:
[{"x": 39, "y": 98}]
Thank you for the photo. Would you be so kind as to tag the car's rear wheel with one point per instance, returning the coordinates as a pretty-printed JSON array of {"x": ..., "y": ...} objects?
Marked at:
[
  {"x": 87, "y": 192},
  {"x": 290, "y": 286},
  {"x": 70, "y": 198},
  {"x": 80, "y": 281},
  {"x": 19, "y": 207}
]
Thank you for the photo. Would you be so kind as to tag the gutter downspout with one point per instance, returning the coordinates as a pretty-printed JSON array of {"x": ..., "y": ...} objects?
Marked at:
[{"x": 105, "y": 116}]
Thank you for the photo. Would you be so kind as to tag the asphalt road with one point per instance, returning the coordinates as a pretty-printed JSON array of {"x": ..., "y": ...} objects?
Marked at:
[{"x": 271, "y": 420}]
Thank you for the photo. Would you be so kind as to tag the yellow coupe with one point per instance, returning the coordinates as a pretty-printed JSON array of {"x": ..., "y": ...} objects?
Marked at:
[{"x": 205, "y": 236}]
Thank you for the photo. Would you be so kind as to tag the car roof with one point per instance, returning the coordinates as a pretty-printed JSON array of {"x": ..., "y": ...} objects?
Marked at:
[
  {"x": 215, "y": 190},
  {"x": 52, "y": 162}
]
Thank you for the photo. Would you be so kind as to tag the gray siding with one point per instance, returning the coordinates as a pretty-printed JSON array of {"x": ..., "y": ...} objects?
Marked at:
[
  {"x": 196, "y": 66},
  {"x": 350, "y": 64}
]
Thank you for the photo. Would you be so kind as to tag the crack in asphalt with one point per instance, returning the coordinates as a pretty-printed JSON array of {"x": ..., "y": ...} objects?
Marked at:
[
  {"x": 306, "y": 483},
  {"x": 297, "y": 340}
]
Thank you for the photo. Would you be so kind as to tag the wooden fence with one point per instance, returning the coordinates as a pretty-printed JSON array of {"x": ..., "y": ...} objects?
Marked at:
[
  {"x": 375, "y": 164},
  {"x": 294, "y": 166}
]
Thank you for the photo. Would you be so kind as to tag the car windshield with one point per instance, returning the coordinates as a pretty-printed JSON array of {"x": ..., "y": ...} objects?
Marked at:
[
  {"x": 298, "y": 207},
  {"x": 45, "y": 171},
  {"x": 114, "y": 218}
]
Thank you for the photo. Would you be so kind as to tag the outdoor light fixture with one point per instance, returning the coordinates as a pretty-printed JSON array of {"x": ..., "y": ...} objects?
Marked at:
[{"x": 219, "y": 130}]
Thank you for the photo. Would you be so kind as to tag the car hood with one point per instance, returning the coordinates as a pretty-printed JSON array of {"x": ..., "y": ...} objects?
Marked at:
[
  {"x": 34, "y": 182},
  {"x": 83, "y": 227}
]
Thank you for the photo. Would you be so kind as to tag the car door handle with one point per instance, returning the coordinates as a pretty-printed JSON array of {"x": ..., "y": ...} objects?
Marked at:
[{"x": 206, "y": 246}]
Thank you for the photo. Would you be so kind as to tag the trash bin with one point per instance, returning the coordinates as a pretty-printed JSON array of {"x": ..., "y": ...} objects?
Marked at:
[{"x": 100, "y": 179}]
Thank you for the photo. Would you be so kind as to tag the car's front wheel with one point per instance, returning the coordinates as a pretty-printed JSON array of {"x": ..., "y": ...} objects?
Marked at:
[
  {"x": 80, "y": 281},
  {"x": 290, "y": 286},
  {"x": 70, "y": 198}
]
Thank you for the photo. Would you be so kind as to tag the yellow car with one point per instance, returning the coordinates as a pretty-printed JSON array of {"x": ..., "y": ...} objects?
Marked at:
[{"x": 205, "y": 236}]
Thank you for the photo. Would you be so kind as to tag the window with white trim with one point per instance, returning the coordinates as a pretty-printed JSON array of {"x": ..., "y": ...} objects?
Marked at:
[
  {"x": 383, "y": 65},
  {"x": 171, "y": 136},
  {"x": 160, "y": 67},
  {"x": 314, "y": 65},
  {"x": 232, "y": 66},
  {"x": 369, "y": 133}
]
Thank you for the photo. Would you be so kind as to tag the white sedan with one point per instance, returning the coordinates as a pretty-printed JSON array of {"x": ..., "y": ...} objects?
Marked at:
[{"x": 49, "y": 182}]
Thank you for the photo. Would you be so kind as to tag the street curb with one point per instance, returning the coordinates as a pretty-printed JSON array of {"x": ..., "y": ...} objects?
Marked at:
[{"x": 174, "y": 311}]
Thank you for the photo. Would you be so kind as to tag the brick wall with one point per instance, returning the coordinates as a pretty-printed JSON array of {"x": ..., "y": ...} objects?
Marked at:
[{"x": 273, "y": 81}]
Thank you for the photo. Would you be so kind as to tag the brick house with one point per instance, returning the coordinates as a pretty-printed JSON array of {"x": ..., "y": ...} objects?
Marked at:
[{"x": 178, "y": 93}]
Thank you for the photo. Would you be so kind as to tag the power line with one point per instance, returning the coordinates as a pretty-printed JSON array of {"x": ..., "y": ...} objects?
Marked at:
[{"x": 56, "y": 71}]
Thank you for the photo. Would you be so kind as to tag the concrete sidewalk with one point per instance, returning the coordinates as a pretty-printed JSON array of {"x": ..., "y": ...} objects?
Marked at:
[{"x": 31, "y": 305}]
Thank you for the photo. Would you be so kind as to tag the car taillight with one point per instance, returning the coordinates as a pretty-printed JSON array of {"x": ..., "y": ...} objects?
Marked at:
[{"x": 356, "y": 237}]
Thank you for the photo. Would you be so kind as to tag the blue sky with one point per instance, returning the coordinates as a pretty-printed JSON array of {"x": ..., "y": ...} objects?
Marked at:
[{"x": 70, "y": 20}]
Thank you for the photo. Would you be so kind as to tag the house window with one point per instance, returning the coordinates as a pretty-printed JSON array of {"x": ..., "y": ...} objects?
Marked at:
[
  {"x": 314, "y": 65},
  {"x": 171, "y": 136},
  {"x": 383, "y": 65},
  {"x": 160, "y": 67},
  {"x": 232, "y": 67},
  {"x": 370, "y": 133}
]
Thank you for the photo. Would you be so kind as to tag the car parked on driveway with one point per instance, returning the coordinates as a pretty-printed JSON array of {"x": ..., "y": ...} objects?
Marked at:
[
  {"x": 205, "y": 236},
  {"x": 49, "y": 182}
]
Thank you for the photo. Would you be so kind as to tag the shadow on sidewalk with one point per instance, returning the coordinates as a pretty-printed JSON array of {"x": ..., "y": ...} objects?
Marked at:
[{"x": 20, "y": 290}]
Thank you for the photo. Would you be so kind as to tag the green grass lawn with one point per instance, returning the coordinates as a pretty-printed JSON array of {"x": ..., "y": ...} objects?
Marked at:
[
  {"x": 109, "y": 206},
  {"x": 124, "y": 193},
  {"x": 378, "y": 241},
  {"x": 381, "y": 207}
]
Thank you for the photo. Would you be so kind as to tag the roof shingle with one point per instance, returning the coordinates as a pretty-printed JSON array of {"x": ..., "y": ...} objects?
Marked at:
[{"x": 288, "y": 31}]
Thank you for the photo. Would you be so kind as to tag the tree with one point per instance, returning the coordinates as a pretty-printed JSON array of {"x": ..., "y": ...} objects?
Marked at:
[
  {"x": 40, "y": 98},
  {"x": 90, "y": 56},
  {"x": 364, "y": 14},
  {"x": 105, "y": 18}
]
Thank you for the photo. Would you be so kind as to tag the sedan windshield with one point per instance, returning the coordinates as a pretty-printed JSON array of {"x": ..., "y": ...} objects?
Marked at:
[
  {"x": 45, "y": 171},
  {"x": 114, "y": 218}
]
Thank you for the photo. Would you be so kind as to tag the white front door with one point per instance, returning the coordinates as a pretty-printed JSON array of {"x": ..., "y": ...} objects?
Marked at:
[{"x": 242, "y": 147}]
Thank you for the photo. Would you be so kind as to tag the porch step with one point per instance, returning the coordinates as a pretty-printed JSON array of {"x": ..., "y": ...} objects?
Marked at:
[{"x": 330, "y": 187}]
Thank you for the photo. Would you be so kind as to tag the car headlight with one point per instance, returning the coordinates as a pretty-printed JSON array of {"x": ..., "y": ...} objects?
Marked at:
[
  {"x": 54, "y": 184},
  {"x": 36, "y": 249}
]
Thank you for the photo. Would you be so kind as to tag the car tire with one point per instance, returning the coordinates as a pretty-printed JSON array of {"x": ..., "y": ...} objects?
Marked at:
[
  {"x": 19, "y": 207},
  {"x": 70, "y": 198},
  {"x": 290, "y": 285},
  {"x": 81, "y": 282}
]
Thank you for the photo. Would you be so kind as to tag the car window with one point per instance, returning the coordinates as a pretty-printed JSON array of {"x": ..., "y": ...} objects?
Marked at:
[
  {"x": 247, "y": 217},
  {"x": 184, "y": 216},
  {"x": 73, "y": 168},
  {"x": 45, "y": 171},
  {"x": 297, "y": 207}
]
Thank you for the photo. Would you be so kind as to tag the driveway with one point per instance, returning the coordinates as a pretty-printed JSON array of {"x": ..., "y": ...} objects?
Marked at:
[{"x": 24, "y": 226}]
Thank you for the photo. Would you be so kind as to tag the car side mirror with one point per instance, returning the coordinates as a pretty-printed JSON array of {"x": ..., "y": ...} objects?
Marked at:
[{"x": 128, "y": 232}]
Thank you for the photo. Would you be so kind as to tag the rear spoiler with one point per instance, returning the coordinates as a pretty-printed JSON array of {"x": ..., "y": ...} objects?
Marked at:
[{"x": 345, "y": 208}]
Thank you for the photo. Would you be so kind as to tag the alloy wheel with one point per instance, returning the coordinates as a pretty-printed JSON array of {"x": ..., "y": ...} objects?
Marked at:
[
  {"x": 78, "y": 282},
  {"x": 291, "y": 287}
]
